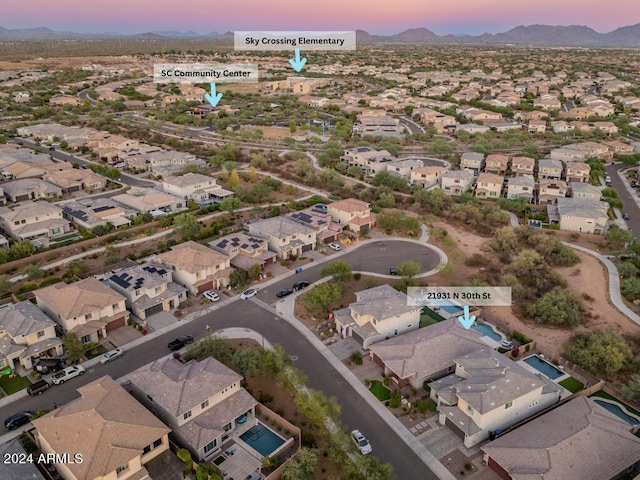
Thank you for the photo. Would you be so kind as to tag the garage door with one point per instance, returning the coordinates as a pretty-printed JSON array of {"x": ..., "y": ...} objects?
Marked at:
[
  {"x": 453, "y": 427},
  {"x": 205, "y": 286},
  {"x": 153, "y": 310},
  {"x": 74, "y": 189},
  {"x": 117, "y": 323},
  {"x": 306, "y": 248}
]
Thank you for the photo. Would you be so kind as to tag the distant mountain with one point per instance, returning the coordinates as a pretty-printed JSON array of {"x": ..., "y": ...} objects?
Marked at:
[{"x": 536, "y": 35}]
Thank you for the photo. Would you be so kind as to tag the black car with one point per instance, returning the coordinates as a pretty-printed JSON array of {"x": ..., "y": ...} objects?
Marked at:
[
  {"x": 17, "y": 420},
  {"x": 626, "y": 216},
  {"x": 180, "y": 342},
  {"x": 284, "y": 293},
  {"x": 300, "y": 285},
  {"x": 393, "y": 271}
]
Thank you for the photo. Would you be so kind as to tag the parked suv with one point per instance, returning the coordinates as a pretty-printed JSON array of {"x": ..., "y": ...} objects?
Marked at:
[
  {"x": 17, "y": 420},
  {"x": 300, "y": 285},
  {"x": 180, "y": 342},
  {"x": 38, "y": 387}
]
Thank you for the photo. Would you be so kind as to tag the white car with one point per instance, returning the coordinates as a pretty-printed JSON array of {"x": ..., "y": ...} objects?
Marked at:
[
  {"x": 248, "y": 293},
  {"x": 335, "y": 246},
  {"x": 363, "y": 444},
  {"x": 211, "y": 296},
  {"x": 111, "y": 355}
]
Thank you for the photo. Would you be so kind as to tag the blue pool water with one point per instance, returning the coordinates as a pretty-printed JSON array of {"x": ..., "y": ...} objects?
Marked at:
[
  {"x": 544, "y": 367},
  {"x": 452, "y": 309},
  {"x": 261, "y": 439},
  {"x": 618, "y": 411},
  {"x": 487, "y": 331}
]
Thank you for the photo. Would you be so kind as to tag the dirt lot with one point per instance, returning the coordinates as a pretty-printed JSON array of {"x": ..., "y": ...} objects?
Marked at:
[{"x": 276, "y": 133}]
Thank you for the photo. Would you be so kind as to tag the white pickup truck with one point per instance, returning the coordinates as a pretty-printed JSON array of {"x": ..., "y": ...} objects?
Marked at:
[{"x": 67, "y": 374}]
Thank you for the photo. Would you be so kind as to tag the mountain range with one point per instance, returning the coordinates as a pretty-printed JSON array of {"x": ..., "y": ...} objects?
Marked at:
[{"x": 538, "y": 35}]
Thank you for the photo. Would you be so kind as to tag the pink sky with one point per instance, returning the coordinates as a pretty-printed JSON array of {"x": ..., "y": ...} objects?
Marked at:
[{"x": 456, "y": 16}]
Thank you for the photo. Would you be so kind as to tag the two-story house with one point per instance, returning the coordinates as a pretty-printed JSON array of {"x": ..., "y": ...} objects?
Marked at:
[
  {"x": 456, "y": 182},
  {"x": 87, "y": 308},
  {"x": 427, "y": 176},
  {"x": 26, "y": 333},
  {"x": 521, "y": 187},
  {"x": 523, "y": 166},
  {"x": 199, "y": 188},
  {"x": 578, "y": 172},
  {"x": 353, "y": 213},
  {"x": 472, "y": 161},
  {"x": 489, "y": 185},
  {"x": 148, "y": 288},
  {"x": 39, "y": 222},
  {"x": 549, "y": 169},
  {"x": 244, "y": 251},
  {"x": 489, "y": 392},
  {"x": 496, "y": 163},
  {"x": 580, "y": 215},
  {"x": 585, "y": 191},
  {"x": 288, "y": 239},
  {"x": 106, "y": 434},
  {"x": 318, "y": 218},
  {"x": 202, "y": 402},
  {"x": 378, "y": 313},
  {"x": 550, "y": 190},
  {"x": 197, "y": 267}
]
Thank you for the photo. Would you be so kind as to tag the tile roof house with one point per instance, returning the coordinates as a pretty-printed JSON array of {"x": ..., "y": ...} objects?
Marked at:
[
  {"x": 197, "y": 267},
  {"x": 427, "y": 176},
  {"x": 26, "y": 333},
  {"x": 425, "y": 354},
  {"x": 31, "y": 189},
  {"x": 114, "y": 435},
  {"x": 456, "y": 182},
  {"x": 197, "y": 187},
  {"x": 39, "y": 222},
  {"x": 580, "y": 215},
  {"x": 148, "y": 288},
  {"x": 523, "y": 165},
  {"x": 489, "y": 392},
  {"x": 548, "y": 168},
  {"x": 489, "y": 185},
  {"x": 200, "y": 401},
  {"x": 91, "y": 212},
  {"x": 87, "y": 308},
  {"x": 353, "y": 213},
  {"x": 585, "y": 191},
  {"x": 551, "y": 190},
  {"x": 473, "y": 161},
  {"x": 496, "y": 163},
  {"x": 75, "y": 180},
  {"x": 578, "y": 172},
  {"x": 244, "y": 251},
  {"x": 285, "y": 237},
  {"x": 18, "y": 470},
  {"x": 377, "y": 314},
  {"x": 318, "y": 218},
  {"x": 521, "y": 187},
  {"x": 144, "y": 200},
  {"x": 579, "y": 439}
]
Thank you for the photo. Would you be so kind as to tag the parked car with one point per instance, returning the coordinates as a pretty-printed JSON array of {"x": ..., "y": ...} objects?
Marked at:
[
  {"x": 38, "y": 387},
  {"x": 17, "y": 420},
  {"x": 48, "y": 365},
  {"x": 506, "y": 344},
  {"x": 362, "y": 442},
  {"x": 67, "y": 374},
  {"x": 211, "y": 296},
  {"x": 393, "y": 271},
  {"x": 180, "y": 342},
  {"x": 300, "y": 285},
  {"x": 335, "y": 246},
  {"x": 626, "y": 216},
  {"x": 252, "y": 292},
  {"x": 284, "y": 293},
  {"x": 111, "y": 355},
  {"x": 635, "y": 184}
]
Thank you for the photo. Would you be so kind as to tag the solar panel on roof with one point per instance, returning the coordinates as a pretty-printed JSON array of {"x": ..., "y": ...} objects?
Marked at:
[
  {"x": 119, "y": 281},
  {"x": 244, "y": 245},
  {"x": 102, "y": 209},
  {"x": 222, "y": 244}
]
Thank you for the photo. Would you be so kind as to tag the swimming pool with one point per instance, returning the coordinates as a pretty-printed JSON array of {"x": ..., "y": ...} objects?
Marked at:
[
  {"x": 262, "y": 440},
  {"x": 544, "y": 367},
  {"x": 617, "y": 410},
  {"x": 487, "y": 330},
  {"x": 452, "y": 309}
]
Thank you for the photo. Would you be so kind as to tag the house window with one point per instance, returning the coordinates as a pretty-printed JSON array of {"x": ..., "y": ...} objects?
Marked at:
[
  {"x": 115, "y": 307},
  {"x": 470, "y": 409},
  {"x": 146, "y": 450},
  {"x": 227, "y": 427},
  {"x": 41, "y": 333},
  {"x": 210, "y": 446},
  {"x": 55, "y": 231},
  {"x": 86, "y": 339},
  {"x": 204, "y": 404},
  {"x": 159, "y": 289},
  {"x": 87, "y": 316},
  {"x": 122, "y": 468},
  {"x": 136, "y": 292},
  {"x": 186, "y": 415},
  {"x": 157, "y": 443},
  {"x": 508, "y": 404}
]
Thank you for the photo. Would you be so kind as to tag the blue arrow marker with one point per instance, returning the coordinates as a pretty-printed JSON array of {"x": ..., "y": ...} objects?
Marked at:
[
  {"x": 213, "y": 98},
  {"x": 298, "y": 63},
  {"x": 467, "y": 320}
]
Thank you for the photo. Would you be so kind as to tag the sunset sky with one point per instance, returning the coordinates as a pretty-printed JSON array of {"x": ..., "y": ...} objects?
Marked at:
[{"x": 460, "y": 16}]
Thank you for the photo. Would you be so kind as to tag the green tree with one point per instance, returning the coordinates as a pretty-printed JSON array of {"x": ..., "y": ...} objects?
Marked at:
[
  {"x": 231, "y": 204},
  {"x": 302, "y": 466},
  {"x": 632, "y": 388},
  {"x": 557, "y": 307},
  {"x": 505, "y": 240},
  {"x": 390, "y": 221},
  {"x": 435, "y": 201},
  {"x": 605, "y": 352},
  {"x": 409, "y": 269},
  {"x": 209, "y": 346},
  {"x": 253, "y": 175},
  {"x": 617, "y": 237},
  {"x": 340, "y": 270},
  {"x": 320, "y": 297},
  {"x": 187, "y": 225},
  {"x": 5, "y": 285},
  {"x": 292, "y": 127},
  {"x": 234, "y": 178},
  {"x": 34, "y": 272},
  {"x": 76, "y": 269},
  {"x": 627, "y": 270},
  {"x": 238, "y": 278},
  {"x": 74, "y": 347}
]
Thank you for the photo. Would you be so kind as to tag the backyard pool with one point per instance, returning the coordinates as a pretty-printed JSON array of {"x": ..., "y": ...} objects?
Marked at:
[
  {"x": 262, "y": 440},
  {"x": 487, "y": 330},
  {"x": 544, "y": 367},
  {"x": 452, "y": 309},
  {"x": 617, "y": 410}
]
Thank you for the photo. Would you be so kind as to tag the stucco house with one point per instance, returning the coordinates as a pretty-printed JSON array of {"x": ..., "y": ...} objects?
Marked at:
[
  {"x": 578, "y": 172},
  {"x": 285, "y": 237},
  {"x": 585, "y": 191},
  {"x": 427, "y": 176},
  {"x": 550, "y": 169},
  {"x": 473, "y": 161},
  {"x": 497, "y": 164},
  {"x": 353, "y": 213},
  {"x": 551, "y": 190},
  {"x": 580, "y": 215},
  {"x": 489, "y": 185},
  {"x": 521, "y": 187},
  {"x": 38, "y": 222},
  {"x": 244, "y": 250},
  {"x": 199, "y": 188},
  {"x": 456, "y": 182}
]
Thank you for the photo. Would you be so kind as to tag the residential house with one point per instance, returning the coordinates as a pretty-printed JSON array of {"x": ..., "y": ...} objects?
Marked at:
[
  {"x": 38, "y": 222},
  {"x": 285, "y": 237},
  {"x": 15, "y": 170},
  {"x": 371, "y": 161},
  {"x": 489, "y": 392},
  {"x": 473, "y": 161},
  {"x": 550, "y": 190},
  {"x": 560, "y": 126},
  {"x": 318, "y": 218},
  {"x": 550, "y": 169},
  {"x": 426, "y": 354},
  {"x": 521, "y": 187},
  {"x": 18, "y": 470},
  {"x": 92, "y": 212},
  {"x": 585, "y": 191},
  {"x": 112, "y": 434},
  {"x": 428, "y": 176},
  {"x": 199, "y": 188},
  {"x": 403, "y": 167},
  {"x": 88, "y": 308},
  {"x": 354, "y": 214},
  {"x": 76, "y": 179},
  {"x": 553, "y": 446},
  {"x": 380, "y": 126},
  {"x": 472, "y": 128},
  {"x": 148, "y": 288},
  {"x": 244, "y": 251},
  {"x": 197, "y": 267},
  {"x": 618, "y": 148},
  {"x": 580, "y": 215},
  {"x": 489, "y": 185},
  {"x": 456, "y": 182},
  {"x": 523, "y": 166},
  {"x": 200, "y": 401},
  {"x": 31, "y": 189},
  {"x": 144, "y": 200},
  {"x": 474, "y": 114},
  {"x": 496, "y": 163},
  {"x": 537, "y": 126},
  {"x": 378, "y": 313},
  {"x": 547, "y": 103},
  {"x": 578, "y": 172},
  {"x": 26, "y": 333}
]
